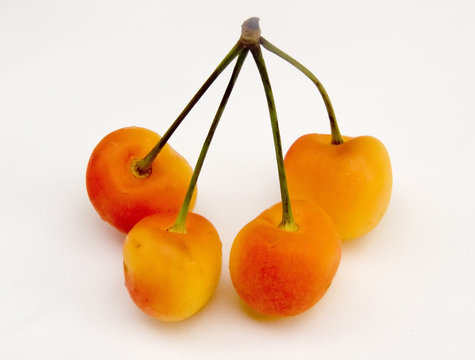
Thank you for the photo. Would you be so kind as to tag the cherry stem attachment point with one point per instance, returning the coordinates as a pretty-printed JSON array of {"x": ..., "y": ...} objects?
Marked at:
[
  {"x": 180, "y": 223},
  {"x": 143, "y": 168},
  {"x": 336, "y": 136},
  {"x": 287, "y": 222}
]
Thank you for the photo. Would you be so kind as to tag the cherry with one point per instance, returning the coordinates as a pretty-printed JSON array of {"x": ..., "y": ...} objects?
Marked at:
[{"x": 121, "y": 196}]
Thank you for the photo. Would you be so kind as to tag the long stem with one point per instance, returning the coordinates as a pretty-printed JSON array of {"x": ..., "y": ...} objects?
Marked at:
[
  {"x": 143, "y": 167},
  {"x": 180, "y": 223},
  {"x": 287, "y": 222},
  {"x": 336, "y": 136}
]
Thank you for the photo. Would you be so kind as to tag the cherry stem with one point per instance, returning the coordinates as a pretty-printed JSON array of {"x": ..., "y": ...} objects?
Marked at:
[
  {"x": 143, "y": 168},
  {"x": 336, "y": 136},
  {"x": 287, "y": 222},
  {"x": 180, "y": 223}
]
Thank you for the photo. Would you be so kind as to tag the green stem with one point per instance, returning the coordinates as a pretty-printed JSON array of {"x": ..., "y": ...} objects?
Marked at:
[
  {"x": 180, "y": 223},
  {"x": 142, "y": 168},
  {"x": 287, "y": 222},
  {"x": 336, "y": 136}
]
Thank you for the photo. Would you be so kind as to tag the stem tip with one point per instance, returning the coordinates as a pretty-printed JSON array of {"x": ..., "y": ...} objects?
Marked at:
[{"x": 251, "y": 32}]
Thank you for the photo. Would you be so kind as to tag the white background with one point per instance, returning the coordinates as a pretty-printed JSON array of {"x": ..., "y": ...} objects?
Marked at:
[{"x": 71, "y": 72}]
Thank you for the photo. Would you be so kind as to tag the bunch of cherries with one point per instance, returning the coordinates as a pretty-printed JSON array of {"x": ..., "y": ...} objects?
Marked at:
[{"x": 333, "y": 188}]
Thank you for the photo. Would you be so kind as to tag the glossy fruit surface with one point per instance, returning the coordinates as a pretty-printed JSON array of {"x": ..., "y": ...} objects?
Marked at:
[
  {"x": 120, "y": 197},
  {"x": 169, "y": 275},
  {"x": 282, "y": 273},
  {"x": 351, "y": 181}
]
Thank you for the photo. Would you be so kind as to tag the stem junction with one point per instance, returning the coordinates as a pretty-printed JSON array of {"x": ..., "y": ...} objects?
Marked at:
[{"x": 250, "y": 40}]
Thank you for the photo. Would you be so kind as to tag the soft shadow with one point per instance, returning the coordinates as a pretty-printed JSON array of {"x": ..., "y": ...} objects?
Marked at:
[
  {"x": 358, "y": 244},
  {"x": 267, "y": 320}
]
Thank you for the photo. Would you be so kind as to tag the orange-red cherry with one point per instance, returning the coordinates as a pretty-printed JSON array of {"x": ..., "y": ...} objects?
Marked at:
[
  {"x": 279, "y": 272},
  {"x": 120, "y": 196}
]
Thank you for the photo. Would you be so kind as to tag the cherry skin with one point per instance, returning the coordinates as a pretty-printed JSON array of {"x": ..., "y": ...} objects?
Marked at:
[
  {"x": 169, "y": 275},
  {"x": 119, "y": 196},
  {"x": 279, "y": 272},
  {"x": 351, "y": 181}
]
